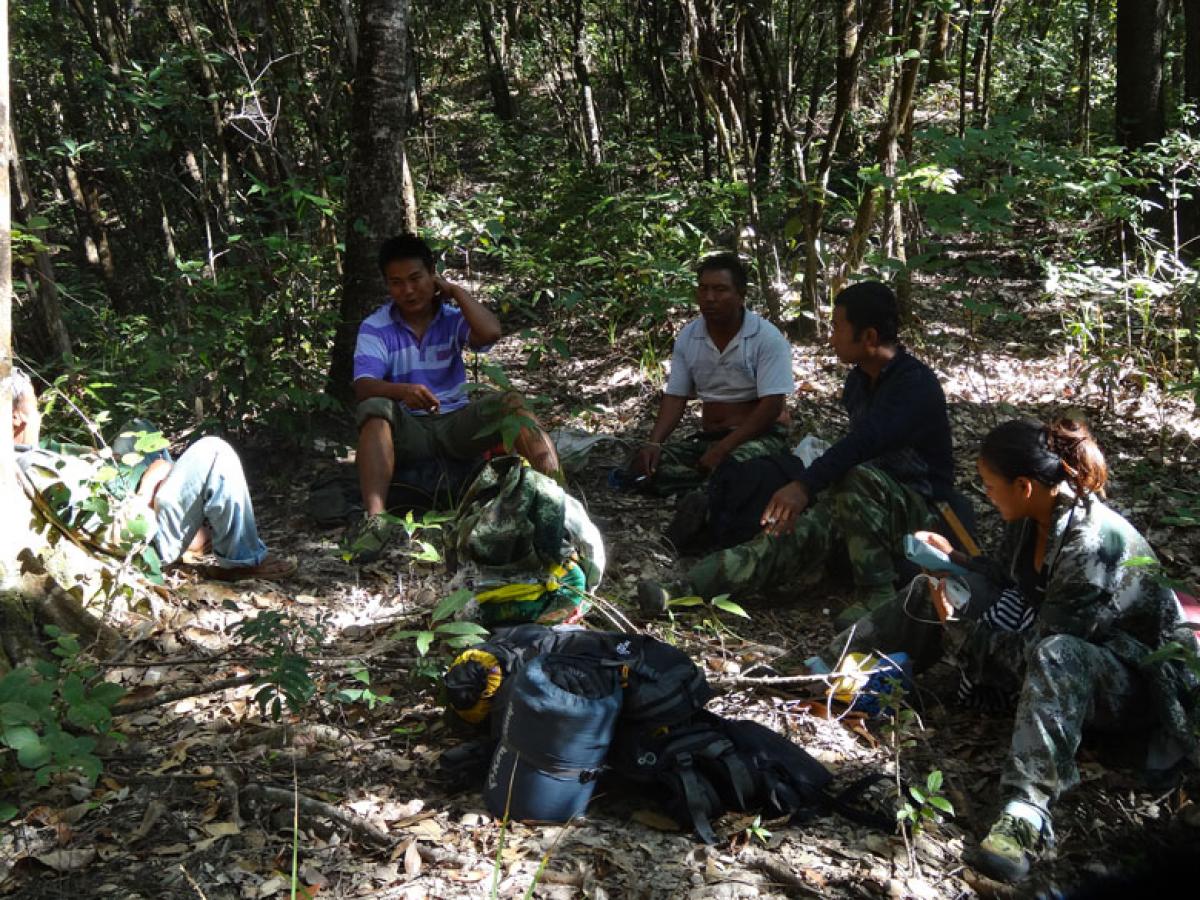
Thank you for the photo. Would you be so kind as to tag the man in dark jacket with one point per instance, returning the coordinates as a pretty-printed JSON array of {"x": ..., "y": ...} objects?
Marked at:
[{"x": 881, "y": 481}]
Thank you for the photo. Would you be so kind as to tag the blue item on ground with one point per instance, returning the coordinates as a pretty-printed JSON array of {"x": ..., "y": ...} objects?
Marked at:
[{"x": 558, "y": 724}]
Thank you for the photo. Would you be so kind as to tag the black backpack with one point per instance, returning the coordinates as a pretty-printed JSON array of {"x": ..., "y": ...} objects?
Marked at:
[
  {"x": 710, "y": 765},
  {"x": 663, "y": 686}
]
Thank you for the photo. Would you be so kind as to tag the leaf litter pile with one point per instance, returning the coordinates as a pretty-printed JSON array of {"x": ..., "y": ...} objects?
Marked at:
[{"x": 210, "y": 798}]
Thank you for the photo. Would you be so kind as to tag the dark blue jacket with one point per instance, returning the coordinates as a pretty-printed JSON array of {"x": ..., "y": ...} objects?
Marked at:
[{"x": 900, "y": 424}]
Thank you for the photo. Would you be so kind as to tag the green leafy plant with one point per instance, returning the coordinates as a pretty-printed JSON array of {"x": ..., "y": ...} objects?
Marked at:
[
  {"x": 285, "y": 672},
  {"x": 925, "y": 805},
  {"x": 449, "y": 634},
  {"x": 711, "y": 620},
  {"x": 363, "y": 694},
  {"x": 53, "y": 714},
  {"x": 758, "y": 831}
]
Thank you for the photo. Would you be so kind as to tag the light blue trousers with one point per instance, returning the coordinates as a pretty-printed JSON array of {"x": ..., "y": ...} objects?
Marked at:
[{"x": 207, "y": 483}]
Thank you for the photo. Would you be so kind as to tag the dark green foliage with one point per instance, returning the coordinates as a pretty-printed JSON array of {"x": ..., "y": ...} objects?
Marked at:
[{"x": 53, "y": 714}]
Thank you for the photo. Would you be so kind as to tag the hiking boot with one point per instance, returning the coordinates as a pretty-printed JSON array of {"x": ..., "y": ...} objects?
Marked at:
[
  {"x": 1011, "y": 845},
  {"x": 690, "y": 521},
  {"x": 367, "y": 538}
]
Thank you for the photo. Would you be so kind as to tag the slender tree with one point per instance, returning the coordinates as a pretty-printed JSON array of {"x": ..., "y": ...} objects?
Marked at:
[{"x": 375, "y": 205}]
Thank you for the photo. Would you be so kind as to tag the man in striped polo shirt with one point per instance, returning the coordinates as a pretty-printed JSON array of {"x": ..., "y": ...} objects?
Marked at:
[{"x": 410, "y": 384}]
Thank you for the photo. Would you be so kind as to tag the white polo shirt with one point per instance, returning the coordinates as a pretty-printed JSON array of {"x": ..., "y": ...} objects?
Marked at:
[{"x": 756, "y": 363}]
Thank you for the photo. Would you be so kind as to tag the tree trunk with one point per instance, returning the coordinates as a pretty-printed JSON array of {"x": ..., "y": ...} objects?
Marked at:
[
  {"x": 899, "y": 109},
  {"x": 45, "y": 292},
  {"x": 1141, "y": 25},
  {"x": 1086, "y": 39},
  {"x": 375, "y": 207},
  {"x": 850, "y": 51},
  {"x": 9, "y": 495},
  {"x": 23, "y": 600},
  {"x": 939, "y": 48},
  {"x": 1191, "y": 50},
  {"x": 964, "y": 43},
  {"x": 590, "y": 123},
  {"x": 502, "y": 99}
]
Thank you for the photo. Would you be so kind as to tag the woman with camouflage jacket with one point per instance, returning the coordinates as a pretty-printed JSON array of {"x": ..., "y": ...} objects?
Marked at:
[{"x": 1065, "y": 618}]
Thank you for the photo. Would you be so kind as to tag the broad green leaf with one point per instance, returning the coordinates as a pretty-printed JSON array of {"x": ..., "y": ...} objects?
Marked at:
[
  {"x": 15, "y": 713},
  {"x": 424, "y": 642},
  {"x": 461, "y": 628},
  {"x": 685, "y": 601},
  {"x": 426, "y": 552},
  {"x": 32, "y": 752},
  {"x": 723, "y": 602},
  {"x": 107, "y": 692},
  {"x": 451, "y": 604},
  {"x": 940, "y": 802},
  {"x": 934, "y": 781}
]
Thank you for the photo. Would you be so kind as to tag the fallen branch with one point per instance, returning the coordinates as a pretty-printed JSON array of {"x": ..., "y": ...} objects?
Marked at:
[
  {"x": 781, "y": 874},
  {"x": 771, "y": 679},
  {"x": 124, "y": 709},
  {"x": 356, "y": 824}
]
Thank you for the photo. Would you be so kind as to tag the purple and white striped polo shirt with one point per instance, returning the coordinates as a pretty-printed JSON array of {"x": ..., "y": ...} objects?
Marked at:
[{"x": 388, "y": 350}]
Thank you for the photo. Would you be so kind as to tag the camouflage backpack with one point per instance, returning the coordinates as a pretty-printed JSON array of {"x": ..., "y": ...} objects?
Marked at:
[{"x": 524, "y": 546}]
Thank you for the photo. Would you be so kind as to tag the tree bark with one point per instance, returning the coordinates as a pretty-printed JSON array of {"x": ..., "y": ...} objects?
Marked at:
[
  {"x": 45, "y": 291},
  {"x": 939, "y": 48},
  {"x": 852, "y": 39},
  {"x": 899, "y": 109},
  {"x": 583, "y": 78},
  {"x": 1140, "y": 118},
  {"x": 502, "y": 100},
  {"x": 1086, "y": 40},
  {"x": 375, "y": 207}
]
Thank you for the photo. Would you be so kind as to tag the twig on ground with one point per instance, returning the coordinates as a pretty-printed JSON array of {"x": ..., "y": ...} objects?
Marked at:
[
  {"x": 192, "y": 882},
  {"x": 124, "y": 709},
  {"x": 770, "y": 679},
  {"x": 356, "y": 824},
  {"x": 781, "y": 874}
]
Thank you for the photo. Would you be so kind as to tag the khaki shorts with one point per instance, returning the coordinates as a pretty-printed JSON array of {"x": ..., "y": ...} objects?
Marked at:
[{"x": 453, "y": 435}]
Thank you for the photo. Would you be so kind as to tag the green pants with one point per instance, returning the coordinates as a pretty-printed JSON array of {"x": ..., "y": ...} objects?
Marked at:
[
  {"x": 1063, "y": 684},
  {"x": 868, "y": 510},
  {"x": 677, "y": 470},
  {"x": 464, "y": 433}
]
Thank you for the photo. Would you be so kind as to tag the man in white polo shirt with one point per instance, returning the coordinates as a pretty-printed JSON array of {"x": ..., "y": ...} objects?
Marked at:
[{"x": 740, "y": 366}]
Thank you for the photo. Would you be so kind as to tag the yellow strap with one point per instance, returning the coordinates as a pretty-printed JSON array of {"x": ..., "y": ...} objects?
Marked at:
[
  {"x": 521, "y": 592},
  {"x": 477, "y": 712}
]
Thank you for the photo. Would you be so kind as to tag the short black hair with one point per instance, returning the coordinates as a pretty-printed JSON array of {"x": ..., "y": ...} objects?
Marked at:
[
  {"x": 405, "y": 246},
  {"x": 726, "y": 262},
  {"x": 871, "y": 304}
]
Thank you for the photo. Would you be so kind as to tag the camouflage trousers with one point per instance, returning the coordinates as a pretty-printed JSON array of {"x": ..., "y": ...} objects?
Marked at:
[
  {"x": 868, "y": 510},
  {"x": 677, "y": 470},
  {"x": 1063, "y": 685}
]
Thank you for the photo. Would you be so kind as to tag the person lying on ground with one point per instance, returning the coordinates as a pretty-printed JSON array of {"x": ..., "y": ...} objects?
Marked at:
[
  {"x": 410, "y": 383},
  {"x": 739, "y": 365},
  {"x": 199, "y": 499},
  {"x": 882, "y": 480},
  {"x": 1060, "y": 623}
]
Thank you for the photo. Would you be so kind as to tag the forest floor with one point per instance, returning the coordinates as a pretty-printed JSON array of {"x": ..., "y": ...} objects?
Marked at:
[{"x": 199, "y": 802}]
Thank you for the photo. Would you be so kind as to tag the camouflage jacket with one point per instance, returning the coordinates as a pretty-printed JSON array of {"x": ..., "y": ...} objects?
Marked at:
[
  {"x": 1104, "y": 586},
  {"x": 89, "y": 494}
]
